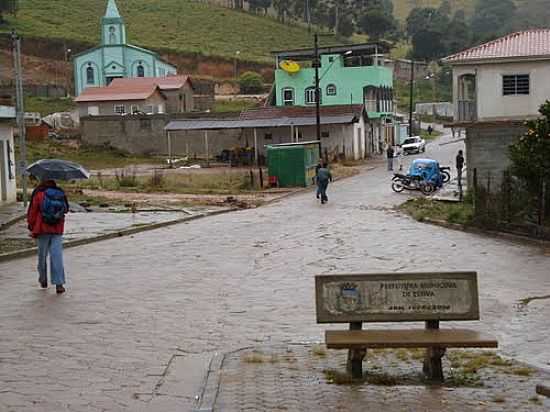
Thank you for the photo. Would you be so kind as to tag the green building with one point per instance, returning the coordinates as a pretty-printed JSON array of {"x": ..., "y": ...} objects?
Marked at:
[
  {"x": 115, "y": 58},
  {"x": 352, "y": 74}
]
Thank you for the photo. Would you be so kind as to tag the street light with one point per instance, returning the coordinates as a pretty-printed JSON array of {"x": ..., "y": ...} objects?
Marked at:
[{"x": 67, "y": 81}]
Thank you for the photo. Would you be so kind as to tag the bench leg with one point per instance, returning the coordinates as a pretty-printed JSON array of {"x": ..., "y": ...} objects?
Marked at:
[
  {"x": 355, "y": 362},
  {"x": 432, "y": 364},
  {"x": 356, "y": 356}
]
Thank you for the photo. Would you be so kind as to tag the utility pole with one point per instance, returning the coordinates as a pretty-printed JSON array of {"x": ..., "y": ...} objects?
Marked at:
[
  {"x": 20, "y": 111},
  {"x": 411, "y": 99},
  {"x": 316, "y": 64}
]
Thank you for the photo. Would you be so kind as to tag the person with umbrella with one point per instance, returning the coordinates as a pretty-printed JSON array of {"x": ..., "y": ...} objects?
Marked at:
[{"x": 46, "y": 216}]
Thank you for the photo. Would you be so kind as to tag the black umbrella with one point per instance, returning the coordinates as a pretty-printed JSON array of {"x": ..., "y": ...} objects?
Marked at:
[{"x": 57, "y": 169}]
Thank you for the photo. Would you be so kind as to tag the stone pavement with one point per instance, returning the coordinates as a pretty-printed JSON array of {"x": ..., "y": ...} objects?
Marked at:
[
  {"x": 143, "y": 311},
  {"x": 297, "y": 378}
]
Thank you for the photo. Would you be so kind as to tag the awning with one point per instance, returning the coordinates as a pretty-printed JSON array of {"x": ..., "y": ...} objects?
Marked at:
[{"x": 257, "y": 123}]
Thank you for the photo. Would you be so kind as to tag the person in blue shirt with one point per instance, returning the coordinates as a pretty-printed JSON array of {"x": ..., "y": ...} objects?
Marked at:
[{"x": 323, "y": 178}]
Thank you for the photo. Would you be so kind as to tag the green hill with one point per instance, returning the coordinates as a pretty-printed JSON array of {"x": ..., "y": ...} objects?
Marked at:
[
  {"x": 176, "y": 25},
  {"x": 402, "y": 8}
]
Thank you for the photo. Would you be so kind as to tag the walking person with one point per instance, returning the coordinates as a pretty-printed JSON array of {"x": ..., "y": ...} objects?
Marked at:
[
  {"x": 317, "y": 167},
  {"x": 323, "y": 178},
  {"x": 390, "y": 154},
  {"x": 46, "y": 221},
  {"x": 430, "y": 130},
  {"x": 459, "y": 166}
]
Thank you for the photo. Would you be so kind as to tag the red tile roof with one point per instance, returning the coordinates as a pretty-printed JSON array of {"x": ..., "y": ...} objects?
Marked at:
[
  {"x": 523, "y": 44},
  {"x": 298, "y": 111},
  {"x": 164, "y": 83},
  {"x": 107, "y": 94}
]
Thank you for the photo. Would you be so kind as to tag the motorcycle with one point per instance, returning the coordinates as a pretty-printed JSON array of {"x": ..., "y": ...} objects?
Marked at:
[{"x": 401, "y": 182}]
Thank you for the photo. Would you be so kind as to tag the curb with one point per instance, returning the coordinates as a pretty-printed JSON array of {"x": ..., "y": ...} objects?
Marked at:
[
  {"x": 12, "y": 221},
  {"x": 493, "y": 233},
  {"x": 125, "y": 232}
]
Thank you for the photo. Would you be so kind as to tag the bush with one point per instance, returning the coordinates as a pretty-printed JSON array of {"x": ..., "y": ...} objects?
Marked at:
[{"x": 251, "y": 83}]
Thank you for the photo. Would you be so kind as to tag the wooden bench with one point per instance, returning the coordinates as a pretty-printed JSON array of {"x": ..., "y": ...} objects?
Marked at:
[{"x": 403, "y": 297}]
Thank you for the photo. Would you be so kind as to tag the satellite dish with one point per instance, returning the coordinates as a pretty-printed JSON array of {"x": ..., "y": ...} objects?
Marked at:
[{"x": 290, "y": 66}]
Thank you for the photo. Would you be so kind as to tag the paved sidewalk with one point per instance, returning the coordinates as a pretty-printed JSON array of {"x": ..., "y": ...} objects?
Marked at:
[
  {"x": 309, "y": 378},
  {"x": 10, "y": 214}
]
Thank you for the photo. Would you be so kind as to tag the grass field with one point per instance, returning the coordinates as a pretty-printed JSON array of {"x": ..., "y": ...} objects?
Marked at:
[{"x": 176, "y": 25}]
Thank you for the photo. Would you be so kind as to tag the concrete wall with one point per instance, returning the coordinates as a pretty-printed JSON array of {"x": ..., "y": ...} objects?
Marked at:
[
  {"x": 179, "y": 101},
  {"x": 487, "y": 151},
  {"x": 442, "y": 109},
  {"x": 7, "y": 164},
  {"x": 491, "y": 103}
]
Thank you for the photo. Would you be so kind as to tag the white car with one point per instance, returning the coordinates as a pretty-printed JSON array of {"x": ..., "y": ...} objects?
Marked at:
[{"x": 413, "y": 144}]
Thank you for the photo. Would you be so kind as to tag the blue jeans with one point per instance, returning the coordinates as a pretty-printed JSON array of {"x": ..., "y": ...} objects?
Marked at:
[
  {"x": 52, "y": 245},
  {"x": 322, "y": 190}
]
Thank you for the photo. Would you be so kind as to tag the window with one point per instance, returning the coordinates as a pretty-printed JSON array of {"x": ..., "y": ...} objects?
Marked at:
[
  {"x": 120, "y": 109},
  {"x": 148, "y": 109},
  {"x": 331, "y": 90},
  {"x": 93, "y": 110},
  {"x": 310, "y": 95},
  {"x": 140, "y": 70},
  {"x": 515, "y": 84},
  {"x": 268, "y": 136},
  {"x": 112, "y": 35},
  {"x": 325, "y": 134},
  {"x": 288, "y": 97},
  {"x": 90, "y": 77},
  {"x": 134, "y": 109}
]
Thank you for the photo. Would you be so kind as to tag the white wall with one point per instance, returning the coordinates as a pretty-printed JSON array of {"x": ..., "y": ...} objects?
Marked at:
[
  {"x": 491, "y": 103},
  {"x": 7, "y": 164}
]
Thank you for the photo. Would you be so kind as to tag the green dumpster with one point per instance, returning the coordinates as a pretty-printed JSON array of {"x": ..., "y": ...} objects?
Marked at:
[{"x": 293, "y": 164}]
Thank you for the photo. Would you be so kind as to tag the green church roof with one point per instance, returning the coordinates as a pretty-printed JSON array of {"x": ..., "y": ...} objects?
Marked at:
[{"x": 112, "y": 10}]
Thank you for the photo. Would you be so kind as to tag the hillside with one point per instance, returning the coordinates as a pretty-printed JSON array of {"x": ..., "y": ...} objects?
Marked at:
[
  {"x": 175, "y": 25},
  {"x": 402, "y": 8}
]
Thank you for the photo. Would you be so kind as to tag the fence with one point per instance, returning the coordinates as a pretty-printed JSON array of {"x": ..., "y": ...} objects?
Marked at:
[{"x": 508, "y": 203}]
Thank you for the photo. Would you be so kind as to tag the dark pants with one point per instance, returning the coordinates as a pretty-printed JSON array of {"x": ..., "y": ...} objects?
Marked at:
[
  {"x": 322, "y": 190},
  {"x": 459, "y": 176}
]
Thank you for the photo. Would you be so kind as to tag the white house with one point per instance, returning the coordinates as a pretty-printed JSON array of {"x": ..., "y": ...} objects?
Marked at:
[
  {"x": 496, "y": 87},
  {"x": 7, "y": 155}
]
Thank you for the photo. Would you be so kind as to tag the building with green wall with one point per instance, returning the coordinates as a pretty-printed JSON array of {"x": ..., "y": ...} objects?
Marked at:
[
  {"x": 115, "y": 58},
  {"x": 352, "y": 74}
]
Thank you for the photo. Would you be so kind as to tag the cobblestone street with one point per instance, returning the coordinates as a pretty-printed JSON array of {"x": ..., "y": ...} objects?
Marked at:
[{"x": 144, "y": 313}]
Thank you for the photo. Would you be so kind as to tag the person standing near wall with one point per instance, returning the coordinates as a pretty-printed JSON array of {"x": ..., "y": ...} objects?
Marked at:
[
  {"x": 459, "y": 166},
  {"x": 46, "y": 221},
  {"x": 390, "y": 154}
]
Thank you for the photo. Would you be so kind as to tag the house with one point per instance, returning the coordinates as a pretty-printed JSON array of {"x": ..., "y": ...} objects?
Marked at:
[
  {"x": 178, "y": 90},
  {"x": 348, "y": 75},
  {"x": 110, "y": 101},
  {"x": 115, "y": 58},
  {"x": 496, "y": 87},
  {"x": 7, "y": 155}
]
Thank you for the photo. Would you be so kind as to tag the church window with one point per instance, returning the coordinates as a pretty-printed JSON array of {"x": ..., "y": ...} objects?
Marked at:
[
  {"x": 112, "y": 35},
  {"x": 140, "y": 70},
  {"x": 90, "y": 78}
]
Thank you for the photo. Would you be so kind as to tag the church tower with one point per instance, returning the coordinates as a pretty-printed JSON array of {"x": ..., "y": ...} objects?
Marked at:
[{"x": 113, "y": 31}]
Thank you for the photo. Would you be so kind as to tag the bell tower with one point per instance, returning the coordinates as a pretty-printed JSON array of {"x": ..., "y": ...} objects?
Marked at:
[{"x": 113, "y": 31}]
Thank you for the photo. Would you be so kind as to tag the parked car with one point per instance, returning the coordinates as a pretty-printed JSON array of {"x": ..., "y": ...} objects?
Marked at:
[{"x": 413, "y": 145}]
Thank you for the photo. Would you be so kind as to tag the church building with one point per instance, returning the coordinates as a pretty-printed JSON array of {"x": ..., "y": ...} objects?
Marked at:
[{"x": 115, "y": 58}]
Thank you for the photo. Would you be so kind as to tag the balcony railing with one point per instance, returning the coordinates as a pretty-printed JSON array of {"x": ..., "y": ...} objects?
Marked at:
[{"x": 467, "y": 111}]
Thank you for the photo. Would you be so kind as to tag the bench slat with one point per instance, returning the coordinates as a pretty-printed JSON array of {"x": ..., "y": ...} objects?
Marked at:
[{"x": 408, "y": 338}]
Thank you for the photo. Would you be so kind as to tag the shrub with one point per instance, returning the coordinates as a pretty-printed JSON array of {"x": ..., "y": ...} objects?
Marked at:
[{"x": 251, "y": 83}]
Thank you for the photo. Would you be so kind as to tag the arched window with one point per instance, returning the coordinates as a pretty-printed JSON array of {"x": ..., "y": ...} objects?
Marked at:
[
  {"x": 112, "y": 35},
  {"x": 90, "y": 77},
  {"x": 331, "y": 90},
  {"x": 310, "y": 95},
  {"x": 140, "y": 70}
]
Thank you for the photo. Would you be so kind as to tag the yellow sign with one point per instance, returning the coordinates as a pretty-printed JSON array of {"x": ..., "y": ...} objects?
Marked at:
[{"x": 290, "y": 66}]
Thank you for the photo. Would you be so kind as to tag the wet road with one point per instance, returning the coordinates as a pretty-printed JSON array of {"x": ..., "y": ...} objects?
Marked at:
[{"x": 236, "y": 280}]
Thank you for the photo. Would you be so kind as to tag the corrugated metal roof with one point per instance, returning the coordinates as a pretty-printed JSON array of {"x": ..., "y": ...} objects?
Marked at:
[
  {"x": 7, "y": 112},
  {"x": 257, "y": 123},
  {"x": 523, "y": 44},
  {"x": 164, "y": 83},
  {"x": 299, "y": 111}
]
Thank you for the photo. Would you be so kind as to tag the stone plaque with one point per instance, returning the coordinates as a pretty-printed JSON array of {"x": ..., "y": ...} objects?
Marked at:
[{"x": 395, "y": 297}]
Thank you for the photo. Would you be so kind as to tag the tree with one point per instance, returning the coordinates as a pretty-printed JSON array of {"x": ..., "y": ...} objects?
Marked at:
[
  {"x": 376, "y": 23},
  {"x": 445, "y": 8},
  {"x": 458, "y": 35},
  {"x": 530, "y": 155},
  {"x": 256, "y": 5},
  {"x": 251, "y": 82},
  {"x": 492, "y": 19},
  {"x": 427, "y": 28},
  {"x": 8, "y": 6}
]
